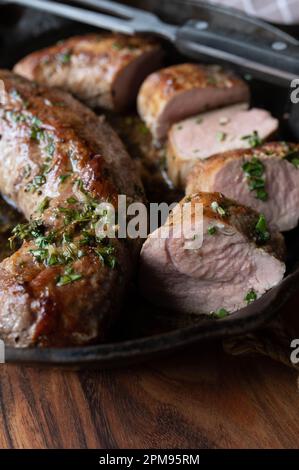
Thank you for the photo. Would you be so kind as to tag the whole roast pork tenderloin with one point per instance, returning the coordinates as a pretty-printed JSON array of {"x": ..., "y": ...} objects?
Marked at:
[
  {"x": 102, "y": 70},
  {"x": 58, "y": 161}
]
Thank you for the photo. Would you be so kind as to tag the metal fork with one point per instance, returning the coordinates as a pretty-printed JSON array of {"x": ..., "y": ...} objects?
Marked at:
[
  {"x": 128, "y": 20},
  {"x": 223, "y": 35}
]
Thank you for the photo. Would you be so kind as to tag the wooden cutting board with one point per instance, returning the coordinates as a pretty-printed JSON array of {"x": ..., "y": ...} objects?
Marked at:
[{"x": 201, "y": 398}]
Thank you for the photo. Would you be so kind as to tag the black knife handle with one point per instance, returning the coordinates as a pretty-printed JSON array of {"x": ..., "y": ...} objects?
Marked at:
[{"x": 226, "y": 35}]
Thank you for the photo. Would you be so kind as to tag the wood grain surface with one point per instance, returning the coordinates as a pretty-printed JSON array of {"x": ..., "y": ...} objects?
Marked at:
[{"x": 201, "y": 398}]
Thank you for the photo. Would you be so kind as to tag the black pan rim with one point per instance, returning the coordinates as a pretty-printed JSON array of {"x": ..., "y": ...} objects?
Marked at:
[{"x": 140, "y": 349}]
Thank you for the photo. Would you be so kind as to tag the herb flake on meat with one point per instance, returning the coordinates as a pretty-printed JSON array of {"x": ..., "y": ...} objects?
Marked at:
[
  {"x": 254, "y": 170},
  {"x": 218, "y": 209},
  {"x": 293, "y": 157},
  {"x": 221, "y": 136},
  {"x": 212, "y": 230},
  {"x": 253, "y": 139},
  {"x": 251, "y": 296},
  {"x": 261, "y": 232},
  {"x": 44, "y": 205},
  {"x": 68, "y": 277},
  {"x": 221, "y": 313}
]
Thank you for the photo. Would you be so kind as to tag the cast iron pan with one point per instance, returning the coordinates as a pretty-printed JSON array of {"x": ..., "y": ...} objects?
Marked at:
[{"x": 142, "y": 331}]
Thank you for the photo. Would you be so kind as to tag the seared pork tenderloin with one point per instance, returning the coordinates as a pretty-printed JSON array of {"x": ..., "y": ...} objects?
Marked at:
[
  {"x": 102, "y": 70},
  {"x": 58, "y": 161},
  {"x": 265, "y": 178},
  {"x": 238, "y": 261},
  {"x": 206, "y": 134},
  {"x": 174, "y": 93}
]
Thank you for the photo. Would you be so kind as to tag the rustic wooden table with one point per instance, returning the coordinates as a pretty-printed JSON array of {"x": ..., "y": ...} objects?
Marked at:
[{"x": 200, "y": 398}]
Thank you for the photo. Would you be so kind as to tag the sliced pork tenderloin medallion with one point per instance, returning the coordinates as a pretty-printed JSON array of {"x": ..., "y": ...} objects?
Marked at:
[
  {"x": 180, "y": 91},
  {"x": 103, "y": 70},
  {"x": 237, "y": 261},
  {"x": 206, "y": 134},
  {"x": 265, "y": 178},
  {"x": 58, "y": 161}
]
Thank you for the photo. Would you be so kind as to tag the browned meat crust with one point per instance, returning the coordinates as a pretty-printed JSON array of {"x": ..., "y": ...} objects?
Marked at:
[
  {"x": 103, "y": 70},
  {"x": 57, "y": 161}
]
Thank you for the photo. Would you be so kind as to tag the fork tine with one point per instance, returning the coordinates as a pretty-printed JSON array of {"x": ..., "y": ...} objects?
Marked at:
[
  {"x": 117, "y": 8},
  {"x": 79, "y": 14}
]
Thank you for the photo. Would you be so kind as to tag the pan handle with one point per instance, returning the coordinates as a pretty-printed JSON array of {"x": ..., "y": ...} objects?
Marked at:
[{"x": 226, "y": 35}]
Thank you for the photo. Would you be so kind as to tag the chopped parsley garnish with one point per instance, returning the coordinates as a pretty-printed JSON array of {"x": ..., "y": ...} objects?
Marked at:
[
  {"x": 40, "y": 179},
  {"x": 71, "y": 200},
  {"x": 16, "y": 117},
  {"x": 36, "y": 183},
  {"x": 68, "y": 277},
  {"x": 37, "y": 133},
  {"x": 16, "y": 95},
  {"x": 107, "y": 255},
  {"x": 74, "y": 236},
  {"x": 50, "y": 148},
  {"x": 262, "y": 234},
  {"x": 40, "y": 254},
  {"x": 212, "y": 230},
  {"x": 221, "y": 136},
  {"x": 293, "y": 157},
  {"x": 27, "y": 171},
  {"x": 78, "y": 216},
  {"x": 44, "y": 205},
  {"x": 117, "y": 46},
  {"x": 218, "y": 209},
  {"x": 199, "y": 120},
  {"x": 27, "y": 231},
  {"x": 221, "y": 313},
  {"x": 64, "y": 57},
  {"x": 212, "y": 80},
  {"x": 63, "y": 178},
  {"x": 143, "y": 129},
  {"x": 253, "y": 139},
  {"x": 251, "y": 296},
  {"x": 254, "y": 170}
]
